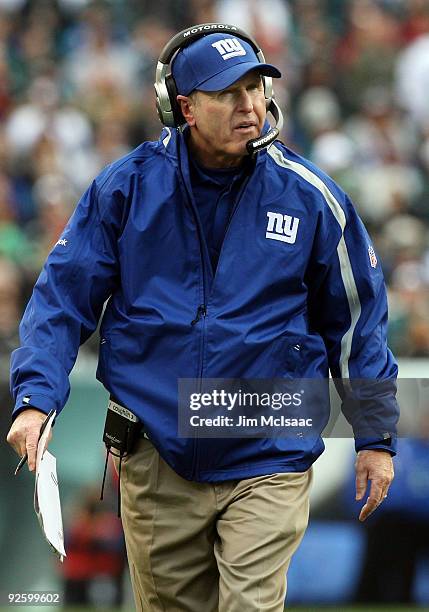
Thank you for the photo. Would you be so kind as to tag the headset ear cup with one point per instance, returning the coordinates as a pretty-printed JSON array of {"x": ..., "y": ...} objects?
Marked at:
[
  {"x": 268, "y": 90},
  {"x": 172, "y": 94},
  {"x": 162, "y": 102}
]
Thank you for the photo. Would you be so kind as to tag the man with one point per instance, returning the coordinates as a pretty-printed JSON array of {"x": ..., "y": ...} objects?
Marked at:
[{"x": 185, "y": 240}]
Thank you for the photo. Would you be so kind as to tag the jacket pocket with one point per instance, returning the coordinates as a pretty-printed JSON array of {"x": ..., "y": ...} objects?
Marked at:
[{"x": 287, "y": 354}]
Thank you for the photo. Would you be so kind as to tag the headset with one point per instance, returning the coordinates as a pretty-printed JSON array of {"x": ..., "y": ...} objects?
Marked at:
[{"x": 166, "y": 91}]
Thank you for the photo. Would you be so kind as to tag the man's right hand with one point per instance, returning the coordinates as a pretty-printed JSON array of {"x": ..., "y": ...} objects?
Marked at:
[{"x": 24, "y": 434}]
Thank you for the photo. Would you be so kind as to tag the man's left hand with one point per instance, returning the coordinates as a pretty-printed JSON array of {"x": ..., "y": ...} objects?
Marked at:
[{"x": 376, "y": 466}]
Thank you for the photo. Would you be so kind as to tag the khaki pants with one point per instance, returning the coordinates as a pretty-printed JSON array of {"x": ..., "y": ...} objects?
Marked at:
[{"x": 217, "y": 547}]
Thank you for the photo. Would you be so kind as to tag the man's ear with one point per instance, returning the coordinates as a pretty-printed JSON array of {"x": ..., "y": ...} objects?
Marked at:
[{"x": 187, "y": 107}]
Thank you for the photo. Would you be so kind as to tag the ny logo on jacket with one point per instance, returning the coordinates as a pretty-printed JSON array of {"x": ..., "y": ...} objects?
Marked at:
[{"x": 282, "y": 227}]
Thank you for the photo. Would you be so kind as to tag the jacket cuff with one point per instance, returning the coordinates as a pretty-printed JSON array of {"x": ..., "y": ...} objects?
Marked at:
[
  {"x": 388, "y": 443},
  {"x": 39, "y": 402}
]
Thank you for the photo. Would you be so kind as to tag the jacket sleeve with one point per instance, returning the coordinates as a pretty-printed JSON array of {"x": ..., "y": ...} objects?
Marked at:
[
  {"x": 79, "y": 275},
  {"x": 348, "y": 307}
]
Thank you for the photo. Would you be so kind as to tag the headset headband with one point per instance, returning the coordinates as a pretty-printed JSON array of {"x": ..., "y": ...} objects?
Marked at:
[{"x": 187, "y": 36}]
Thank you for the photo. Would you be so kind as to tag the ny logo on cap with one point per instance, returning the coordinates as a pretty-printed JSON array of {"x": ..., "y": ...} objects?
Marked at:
[{"x": 229, "y": 47}]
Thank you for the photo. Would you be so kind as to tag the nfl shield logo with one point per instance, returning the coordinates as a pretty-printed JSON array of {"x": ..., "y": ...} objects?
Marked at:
[{"x": 372, "y": 257}]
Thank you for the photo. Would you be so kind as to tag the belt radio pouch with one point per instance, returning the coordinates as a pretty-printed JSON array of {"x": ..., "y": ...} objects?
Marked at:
[{"x": 121, "y": 431}]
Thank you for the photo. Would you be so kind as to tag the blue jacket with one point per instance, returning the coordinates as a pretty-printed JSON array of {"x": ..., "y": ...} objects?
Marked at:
[{"x": 296, "y": 269}]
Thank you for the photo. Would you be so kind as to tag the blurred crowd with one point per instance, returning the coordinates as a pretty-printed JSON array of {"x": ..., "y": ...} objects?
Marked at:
[{"x": 76, "y": 92}]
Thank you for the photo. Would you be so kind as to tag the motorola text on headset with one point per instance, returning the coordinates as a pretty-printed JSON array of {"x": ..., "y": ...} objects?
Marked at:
[{"x": 166, "y": 91}]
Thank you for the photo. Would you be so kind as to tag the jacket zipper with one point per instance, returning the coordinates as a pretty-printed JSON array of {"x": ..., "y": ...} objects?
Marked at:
[
  {"x": 200, "y": 316},
  {"x": 202, "y": 308},
  {"x": 234, "y": 210},
  {"x": 201, "y": 312}
]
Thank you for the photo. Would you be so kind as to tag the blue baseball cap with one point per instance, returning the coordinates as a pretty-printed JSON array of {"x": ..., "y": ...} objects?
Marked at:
[{"x": 214, "y": 62}]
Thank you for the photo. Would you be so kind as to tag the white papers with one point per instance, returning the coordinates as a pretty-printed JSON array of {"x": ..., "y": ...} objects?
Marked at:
[{"x": 47, "y": 495}]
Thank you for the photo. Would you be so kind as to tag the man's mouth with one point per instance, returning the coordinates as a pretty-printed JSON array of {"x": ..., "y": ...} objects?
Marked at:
[{"x": 245, "y": 126}]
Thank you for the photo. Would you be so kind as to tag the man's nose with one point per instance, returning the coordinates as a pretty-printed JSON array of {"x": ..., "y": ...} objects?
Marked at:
[{"x": 245, "y": 102}]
